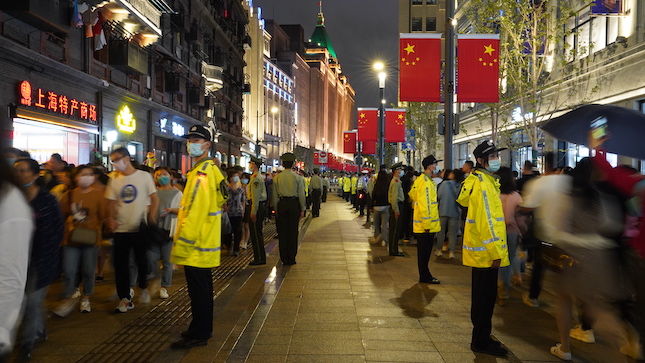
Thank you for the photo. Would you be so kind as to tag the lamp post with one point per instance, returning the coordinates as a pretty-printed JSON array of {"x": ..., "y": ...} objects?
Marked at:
[
  {"x": 380, "y": 68},
  {"x": 273, "y": 111}
]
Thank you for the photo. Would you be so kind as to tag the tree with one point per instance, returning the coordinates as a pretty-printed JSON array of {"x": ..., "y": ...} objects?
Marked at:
[{"x": 422, "y": 118}]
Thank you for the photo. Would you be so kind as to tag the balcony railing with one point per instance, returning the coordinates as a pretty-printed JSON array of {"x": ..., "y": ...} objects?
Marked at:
[{"x": 213, "y": 76}]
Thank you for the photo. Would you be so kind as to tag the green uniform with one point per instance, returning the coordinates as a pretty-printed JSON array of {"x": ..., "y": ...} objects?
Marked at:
[
  {"x": 315, "y": 185},
  {"x": 257, "y": 196},
  {"x": 395, "y": 197},
  {"x": 289, "y": 201}
]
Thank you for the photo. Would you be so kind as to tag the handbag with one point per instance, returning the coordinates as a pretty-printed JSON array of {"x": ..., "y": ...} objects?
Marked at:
[
  {"x": 555, "y": 258},
  {"x": 80, "y": 236},
  {"x": 153, "y": 234}
]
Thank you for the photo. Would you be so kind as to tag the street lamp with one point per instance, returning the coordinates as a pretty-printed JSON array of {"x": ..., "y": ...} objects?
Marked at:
[
  {"x": 379, "y": 67},
  {"x": 273, "y": 111}
]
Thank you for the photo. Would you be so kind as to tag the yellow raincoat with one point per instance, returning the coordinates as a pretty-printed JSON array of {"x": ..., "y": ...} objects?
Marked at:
[{"x": 426, "y": 209}]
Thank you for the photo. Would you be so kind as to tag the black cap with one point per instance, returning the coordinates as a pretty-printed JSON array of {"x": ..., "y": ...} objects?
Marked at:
[
  {"x": 255, "y": 160},
  {"x": 398, "y": 165},
  {"x": 198, "y": 131},
  {"x": 429, "y": 160},
  {"x": 486, "y": 148}
]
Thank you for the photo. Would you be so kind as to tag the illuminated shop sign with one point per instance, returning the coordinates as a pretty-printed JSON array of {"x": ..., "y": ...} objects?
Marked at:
[
  {"x": 125, "y": 120},
  {"x": 55, "y": 102},
  {"x": 174, "y": 128}
]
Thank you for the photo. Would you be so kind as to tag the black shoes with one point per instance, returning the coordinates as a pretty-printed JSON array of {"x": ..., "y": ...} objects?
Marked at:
[
  {"x": 187, "y": 343},
  {"x": 398, "y": 254},
  {"x": 432, "y": 281},
  {"x": 256, "y": 263},
  {"x": 493, "y": 348}
]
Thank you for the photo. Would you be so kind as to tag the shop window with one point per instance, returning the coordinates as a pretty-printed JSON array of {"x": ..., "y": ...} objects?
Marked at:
[
  {"x": 417, "y": 2},
  {"x": 431, "y": 24},
  {"x": 416, "y": 25}
]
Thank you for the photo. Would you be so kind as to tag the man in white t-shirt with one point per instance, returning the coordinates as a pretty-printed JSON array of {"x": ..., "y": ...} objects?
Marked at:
[{"x": 132, "y": 199}]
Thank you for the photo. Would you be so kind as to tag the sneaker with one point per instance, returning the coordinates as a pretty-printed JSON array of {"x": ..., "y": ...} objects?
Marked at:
[
  {"x": 585, "y": 336},
  {"x": 85, "y": 305},
  {"x": 163, "y": 293},
  {"x": 124, "y": 306},
  {"x": 438, "y": 253},
  {"x": 556, "y": 350},
  {"x": 131, "y": 294},
  {"x": 244, "y": 245},
  {"x": 77, "y": 294},
  {"x": 65, "y": 307},
  {"x": 444, "y": 248},
  {"x": 452, "y": 256},
  {"x": 145, "y": 297},
  {"x": 534, "y": 303}
]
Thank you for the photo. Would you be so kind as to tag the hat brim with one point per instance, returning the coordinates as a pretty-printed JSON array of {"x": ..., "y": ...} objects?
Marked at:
[{"x": 189, "y": 135}]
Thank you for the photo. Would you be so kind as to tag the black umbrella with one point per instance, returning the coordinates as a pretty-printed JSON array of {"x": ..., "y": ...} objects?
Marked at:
[{"x": 625, "y": 128}]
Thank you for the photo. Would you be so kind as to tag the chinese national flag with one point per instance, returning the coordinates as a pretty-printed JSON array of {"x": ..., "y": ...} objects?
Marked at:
[
  {"x": 316, "y": 159},
  {"x": 478, "y": 68},
  {"x": 367, "y": 124},
  {"x": 420, "y": 67},
  {"x": 395, "y": 125},
  {"x": 369, "y": 148},
  {"x": 349, "y": 142}
]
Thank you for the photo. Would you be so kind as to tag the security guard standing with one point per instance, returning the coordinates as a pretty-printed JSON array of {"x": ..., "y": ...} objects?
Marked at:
[
  {"x": 354, "y": 190},
  {"x": 395, "y": 198},
  {"x": 423, "y": 195},
  {"x": 315, "y": 193},
  {"x": 289, "y": 201},
  {"x": 197, "y": 240},
  {"x": 484, "y": 248},
  {"x": 325, "y": 184},
  {"x": 257, "y": 198},
  {"x": 347, "y": 187}
]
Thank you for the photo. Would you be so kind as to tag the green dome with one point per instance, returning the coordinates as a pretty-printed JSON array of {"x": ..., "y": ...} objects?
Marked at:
[{"x": 320, "y": 37}]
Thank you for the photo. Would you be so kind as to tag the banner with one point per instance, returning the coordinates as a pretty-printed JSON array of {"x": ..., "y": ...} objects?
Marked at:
[
  {"x": 607, "y": 7},
  {"x": 322, "y": 158},
  {"x": 367, "y": 124},
  {"x": 420, "y": 67},
  {"x": 369, "y": 148},
  {"x": 395, "y": 125},
  {"x": 478, "y": 68},
  {"x": 349, "y": 142},
  {"x": 410, "y": 140}
]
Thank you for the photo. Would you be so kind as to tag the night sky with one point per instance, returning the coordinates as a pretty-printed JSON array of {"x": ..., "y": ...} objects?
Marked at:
[{"x": 361, "y": 31}]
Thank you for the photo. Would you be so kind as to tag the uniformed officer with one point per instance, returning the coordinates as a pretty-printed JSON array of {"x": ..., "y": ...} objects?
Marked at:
[
  {"x": 347, "y": 187},
  {"x": 197, "y": 240},
  {"x": 307, "y": 178},
  {"x": 315, "y": 193},
  {"x": 289, "y": 201},
  {"x": 354, "y": 191},
  {"x": 362, "y": 192},
  {"x": 257, "y": 197},
  {"x": 395, "y": 197},
  {"x": 325, "y": 184}
]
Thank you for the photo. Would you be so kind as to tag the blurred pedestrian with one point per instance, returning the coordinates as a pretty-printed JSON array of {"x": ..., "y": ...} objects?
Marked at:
[
  {"x": 484, "y": 247},
  {"x": 529, "y": 171},
  {"x": 406, "y": 211},
  {"x": 395, "y": 199},
  {"x": 381, "y": 207},
  {"x": 235, "y": 209},
  {"x": 246, "y": 220},
  {"x": 447, "y": 192}
]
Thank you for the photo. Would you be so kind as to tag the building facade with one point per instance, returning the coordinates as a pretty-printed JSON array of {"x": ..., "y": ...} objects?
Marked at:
[{"x": 128, "y": 73}]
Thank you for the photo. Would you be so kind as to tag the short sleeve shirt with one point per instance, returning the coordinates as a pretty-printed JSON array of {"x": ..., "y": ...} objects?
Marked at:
[{"x": 132, "y": 195}]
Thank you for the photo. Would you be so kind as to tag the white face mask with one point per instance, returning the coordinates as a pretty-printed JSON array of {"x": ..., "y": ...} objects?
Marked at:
[
  {"x": 120, "y": 165},
  {"x": 85, "y": 180}
]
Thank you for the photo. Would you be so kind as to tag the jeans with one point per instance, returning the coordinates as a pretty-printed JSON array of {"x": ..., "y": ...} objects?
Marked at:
[
  {"x": 449, "y": 226},
  {"x": 236, "y": 226},
  {"x": 512, "y": 239},
  {"x": 381, "y": 222},
  {"x": 161, "y": 252},
  {"x": 33, "y": 318},
  {"x": 73, "y": 258},
  {"x": 123, "y": 244}
]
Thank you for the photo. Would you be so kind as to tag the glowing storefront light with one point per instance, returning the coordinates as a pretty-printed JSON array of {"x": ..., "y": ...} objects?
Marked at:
[{"x": 125, "y": 120}]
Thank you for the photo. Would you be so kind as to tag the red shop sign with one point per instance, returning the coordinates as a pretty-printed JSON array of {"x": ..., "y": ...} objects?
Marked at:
[{"x": 56, "y": 102}]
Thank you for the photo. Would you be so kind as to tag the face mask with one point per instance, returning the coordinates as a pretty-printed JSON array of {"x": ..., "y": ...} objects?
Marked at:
[
  {"x": 245, "y": 181},
  {"x": 493, "y": 165},
  {"x": 235, "y": 179},
  {"x": 120, "y": 165},
  {"x": 27, "y": 185},
  {"x": 163, "y": 180},
  {"x": 195, "y": 149},
  {"x": 85, "y": 181}
]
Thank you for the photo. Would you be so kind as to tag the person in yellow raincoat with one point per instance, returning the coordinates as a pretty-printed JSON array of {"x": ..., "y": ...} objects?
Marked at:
[
  {"x": 425, "y": 221},
  {"x": 347, "y": 187},
  {"x": 484, "y": 247},
  {"x": 197, "y": 240}
]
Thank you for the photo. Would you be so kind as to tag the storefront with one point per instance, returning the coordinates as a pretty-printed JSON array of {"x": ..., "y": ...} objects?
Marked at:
[
  {"x": 47, "y": 121},
  {"x": 124, "y": 125},
  {"x": 168, "y": 145}
]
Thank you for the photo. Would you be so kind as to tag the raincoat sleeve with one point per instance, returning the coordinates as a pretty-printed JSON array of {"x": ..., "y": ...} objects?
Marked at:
[
  {"x": 413, "y": 192},
  {"x": 195, "y": 206},
  {"x": 466, "y": 191}
]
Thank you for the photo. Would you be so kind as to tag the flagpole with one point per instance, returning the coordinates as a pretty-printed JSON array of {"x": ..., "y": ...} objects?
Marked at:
[
  {"x": 449, "y": 84},
  {"x": 381, "y": 120}
]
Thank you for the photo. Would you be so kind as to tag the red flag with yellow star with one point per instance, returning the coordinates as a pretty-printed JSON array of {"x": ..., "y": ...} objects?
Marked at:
[
  {"x": 395, "y": 125},
  {"x": 368, "y": 148},
  {"x": 420, "y": 67},
  {"x": 349, "y": 142},
  {"x": 478, "y": 68},
  {"x": 367, "y": 124}
]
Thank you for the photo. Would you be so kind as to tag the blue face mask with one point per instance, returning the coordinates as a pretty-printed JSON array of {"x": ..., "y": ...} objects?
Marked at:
[
  {"x": 163, "y": 180},
  {"x": 27, "y": 185},
  {"x": 245, "y": 181},
  {"x": 493, "y": 165},
  {"x": 195, "y": 149},
  {"x": 235, "y": 179}
]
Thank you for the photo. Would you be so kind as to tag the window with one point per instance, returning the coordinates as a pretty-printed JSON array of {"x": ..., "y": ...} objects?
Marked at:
[
  {"x": 416, "y": 25},
  {"x": 598, "y": 34},
  {"x": 417, "y": 2},
  {"x": 431, "y": 24},
  {"x": 612, "y": 29},
  {"x": 431, "y": 2}
]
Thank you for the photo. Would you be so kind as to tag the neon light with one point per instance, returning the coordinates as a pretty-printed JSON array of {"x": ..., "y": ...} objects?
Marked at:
[
  {"x": 125, "y": 120},
  {"x": 55, "y": 103}
]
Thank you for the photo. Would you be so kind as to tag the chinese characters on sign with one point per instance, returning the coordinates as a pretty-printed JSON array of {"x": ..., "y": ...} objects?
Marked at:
[{"x": 56, "y": 102}]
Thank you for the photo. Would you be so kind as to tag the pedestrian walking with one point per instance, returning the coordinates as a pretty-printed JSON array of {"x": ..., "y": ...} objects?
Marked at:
[
  {"x": 289, "y": 202},
  {"x": 484, "y": 248},
  {"x": 257, "y": 200},
  {"x": 44, "y": 260},
  {"x": 132, "y": 201},
  {"x": 197, "y": 241},
  {"x": 381, "y": 207},
  {"x": 447, "y": 192},
  {"x": 395, "y": 199},
  {"x": 426, "y": 223},
  {"x": 316, "y": 186}
]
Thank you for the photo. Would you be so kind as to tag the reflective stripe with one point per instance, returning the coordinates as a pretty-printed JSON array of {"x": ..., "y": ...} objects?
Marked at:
[
  {"x": 489, "y": 215},
  {"x": 208, "y": 249},
  {"x": 214, "y": 213},
  {"x": 435, "y": 202},
  {"x": 490, "y": 240},
  {"x": 435, "y": 220},
  {"x": 415, "y": 221},
  {"x": 186, "y": 240},
  {"x": 500, "y": 219},
  {"x": 472, "y": 221},
  {"x": 426, "y": 217},
  {"x": 476, "y": 249}
]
